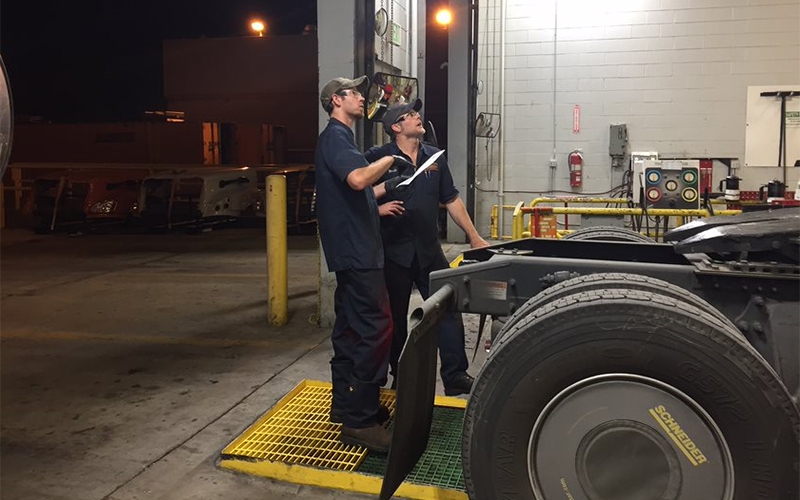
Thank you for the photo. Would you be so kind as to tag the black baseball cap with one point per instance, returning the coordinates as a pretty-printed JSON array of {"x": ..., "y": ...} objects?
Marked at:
[{"x": 396, "y": 111}]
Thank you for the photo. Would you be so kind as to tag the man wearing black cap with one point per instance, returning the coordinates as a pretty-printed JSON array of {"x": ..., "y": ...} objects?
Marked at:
[
  {"x": 349, "y": 226},
  {"x": 410, "y": 232}
]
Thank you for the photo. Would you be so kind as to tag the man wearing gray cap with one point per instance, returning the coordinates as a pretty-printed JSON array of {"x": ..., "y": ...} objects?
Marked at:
[
  {"x": 411, "y": 238},
  {"x": 347, "y": 215}
]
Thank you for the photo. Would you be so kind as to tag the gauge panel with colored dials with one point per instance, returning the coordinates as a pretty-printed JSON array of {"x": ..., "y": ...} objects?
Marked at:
[{"x": 672, "y": 188}]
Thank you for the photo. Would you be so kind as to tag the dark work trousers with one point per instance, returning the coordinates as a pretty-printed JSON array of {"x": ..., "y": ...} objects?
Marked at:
[
  {"x": 399, "y": 280},
  {"x": 361, "y": 337}
]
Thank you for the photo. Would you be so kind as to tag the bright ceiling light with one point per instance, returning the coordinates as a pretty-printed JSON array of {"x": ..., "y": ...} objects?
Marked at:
[
  {"x": 444, "y": 17},
  {"x": 258, "y": 27}
]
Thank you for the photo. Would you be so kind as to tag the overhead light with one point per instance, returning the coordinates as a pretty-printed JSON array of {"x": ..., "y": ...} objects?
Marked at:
[{"x": 444, "y": 17}]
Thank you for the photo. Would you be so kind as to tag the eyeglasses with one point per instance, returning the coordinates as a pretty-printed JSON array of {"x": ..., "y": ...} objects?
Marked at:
[
  {"x": 410, "y": 114},
  {"x": 352, "y": 92}
]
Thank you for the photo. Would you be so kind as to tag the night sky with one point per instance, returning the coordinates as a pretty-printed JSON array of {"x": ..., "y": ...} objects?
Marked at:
[{"x": 100, "y": 60}]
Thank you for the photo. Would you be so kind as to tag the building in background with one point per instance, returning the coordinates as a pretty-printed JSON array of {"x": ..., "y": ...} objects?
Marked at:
[
  {"x": 234, "y": 101},
  {"x": 270, "y": 80}
]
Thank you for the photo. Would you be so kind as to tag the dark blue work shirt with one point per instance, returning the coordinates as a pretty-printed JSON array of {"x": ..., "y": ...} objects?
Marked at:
[
  {"x": 348, "y": 220},
  {"x": 416, "y": 231}
]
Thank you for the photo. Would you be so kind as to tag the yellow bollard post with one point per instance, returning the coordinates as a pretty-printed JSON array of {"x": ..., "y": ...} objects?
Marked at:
[
  {"x": 517, "y": 222},
  {"x": 493, "y": 223},
  {"x": 277, "y": 266}
]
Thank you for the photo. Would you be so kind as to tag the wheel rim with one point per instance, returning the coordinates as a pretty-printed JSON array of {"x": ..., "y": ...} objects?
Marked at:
[{"x": 627, "y": 437}]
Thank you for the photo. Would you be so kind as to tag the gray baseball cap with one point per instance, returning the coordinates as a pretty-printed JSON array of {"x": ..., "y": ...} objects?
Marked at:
[
  {"x": 339, "y": 84},
  {"x": 396, "y": 111}
]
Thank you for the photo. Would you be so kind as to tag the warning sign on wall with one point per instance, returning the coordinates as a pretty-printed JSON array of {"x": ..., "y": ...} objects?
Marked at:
[{"x": 576, "y": 119}]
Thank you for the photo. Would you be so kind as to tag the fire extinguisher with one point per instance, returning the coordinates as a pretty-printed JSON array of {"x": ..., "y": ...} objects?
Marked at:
[{"x": 575, "y": 161}]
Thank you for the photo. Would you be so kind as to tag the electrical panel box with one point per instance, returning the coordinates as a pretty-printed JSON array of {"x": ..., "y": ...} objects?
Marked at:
[
  {"x": 618, "y": 140},
  {"x": 671, "y": 184}
]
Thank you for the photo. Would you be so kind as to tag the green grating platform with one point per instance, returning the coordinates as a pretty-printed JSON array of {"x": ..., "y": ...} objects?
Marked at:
[
  {"x": 296, "y": 442},
  {"x": 440, "y": 465}
]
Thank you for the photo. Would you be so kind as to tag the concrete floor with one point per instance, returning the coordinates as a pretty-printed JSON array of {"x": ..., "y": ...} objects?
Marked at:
[{"x": 128, "y": 362}]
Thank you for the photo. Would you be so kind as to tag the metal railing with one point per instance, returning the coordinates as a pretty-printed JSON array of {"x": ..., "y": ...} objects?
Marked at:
[{"x": 522, "y": 227}]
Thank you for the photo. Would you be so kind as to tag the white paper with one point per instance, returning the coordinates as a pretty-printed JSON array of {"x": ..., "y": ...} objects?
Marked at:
[{"x": 422, "y": 168}]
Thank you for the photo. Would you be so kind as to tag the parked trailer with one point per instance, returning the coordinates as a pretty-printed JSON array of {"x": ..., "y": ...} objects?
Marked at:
[
  {"x": 625, "y": 370},
  {"x": 199, "y": 197},
  {"x": 83, "y": 199}
]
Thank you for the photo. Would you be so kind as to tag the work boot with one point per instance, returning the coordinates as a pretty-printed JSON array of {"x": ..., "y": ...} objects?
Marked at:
[
  {"x": 374, "y": 438},
  {"x": 337, "y": 416},
  {"x": 461, "y": 384}
]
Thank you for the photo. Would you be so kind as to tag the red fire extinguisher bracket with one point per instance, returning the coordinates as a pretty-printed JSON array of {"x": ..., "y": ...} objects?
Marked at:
[{"x": 575, "y": 162}]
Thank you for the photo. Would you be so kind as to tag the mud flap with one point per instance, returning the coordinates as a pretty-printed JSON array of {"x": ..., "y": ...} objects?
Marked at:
[{"x": 416, "y": 387}]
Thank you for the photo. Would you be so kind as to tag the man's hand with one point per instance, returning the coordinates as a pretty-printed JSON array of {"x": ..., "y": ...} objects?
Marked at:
[
  {"x": 402, "y": 163},
  {"x": 478, "y": 242},
  {"x": 392, "y": 208},
  {"x": 392, "y": 185}
]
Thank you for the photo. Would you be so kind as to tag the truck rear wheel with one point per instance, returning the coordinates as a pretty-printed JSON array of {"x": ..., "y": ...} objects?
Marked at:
[
  {"x": 602, "y": 281},
  {"x": 628, "y": 395},
  {"x": 608, "y": 233}
]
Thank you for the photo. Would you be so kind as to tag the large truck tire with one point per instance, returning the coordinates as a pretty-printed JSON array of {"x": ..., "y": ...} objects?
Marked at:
[
  {"x": 628, "y": 395},
  {"x": 601, "y": 281},
  {"x": 6, "y": 119},
  {"x": 608, "y": 233}
]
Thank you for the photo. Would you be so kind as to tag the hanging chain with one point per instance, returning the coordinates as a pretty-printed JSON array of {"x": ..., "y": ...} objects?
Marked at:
[
  {"x": 383, "y": 35},
  {"x": 490, "y": 47},
  {"x": 492, "y": 75},
  {"x": 391, "y": 33}
]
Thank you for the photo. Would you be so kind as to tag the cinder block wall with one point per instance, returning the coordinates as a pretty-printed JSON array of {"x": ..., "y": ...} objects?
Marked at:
[{"x": 675, "y": 71}]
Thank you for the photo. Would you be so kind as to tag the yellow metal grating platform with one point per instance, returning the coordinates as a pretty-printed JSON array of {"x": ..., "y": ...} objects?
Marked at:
[
  {"x": 296, "y": 442},
  {"x": 298, "y": 431}
]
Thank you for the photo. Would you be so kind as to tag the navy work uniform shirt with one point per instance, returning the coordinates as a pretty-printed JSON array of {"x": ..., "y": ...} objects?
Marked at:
[
  {"x": 348, "y": 220},
  {"x": 416, "y": 231}
]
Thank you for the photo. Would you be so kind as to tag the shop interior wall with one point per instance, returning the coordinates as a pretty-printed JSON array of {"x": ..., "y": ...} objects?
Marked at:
[{"x": 675, "y": 71}]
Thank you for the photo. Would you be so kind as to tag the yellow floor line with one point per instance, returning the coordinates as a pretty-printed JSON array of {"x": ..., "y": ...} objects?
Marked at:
[{"x": 339, "y": 480}]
